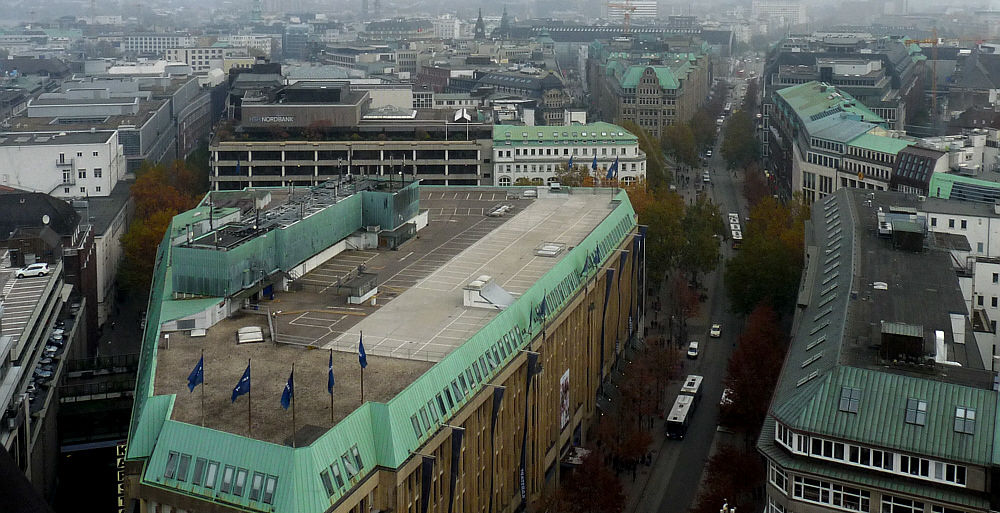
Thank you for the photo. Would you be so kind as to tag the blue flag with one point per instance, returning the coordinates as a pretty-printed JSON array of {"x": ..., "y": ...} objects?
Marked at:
[
  {"x": 613, "y": 170},
  {"x": 362, "y": 357},
  {"x": 570, "y": 165},
  {"x": 593, "y": 165},
  {"x": 197, "y": 376},
  {"x": 329, "y": 379},
  {"x": 289, "y": 391},
  {"x": 243, "y": 387}
]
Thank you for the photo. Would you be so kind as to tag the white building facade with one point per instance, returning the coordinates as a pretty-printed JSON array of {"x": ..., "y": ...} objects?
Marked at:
[
  {"x": 62, "y": 164},
  {"x": 157, "y": 44},
  {"x": 537, "y": 153}
]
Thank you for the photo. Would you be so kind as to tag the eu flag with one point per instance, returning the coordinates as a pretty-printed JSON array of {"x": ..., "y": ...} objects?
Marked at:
[
  {"x": 243, "y": 387},
  {"x": 197, "y": 376},
  {"x": 329, "y": 379},
  {"x": 288, "y": 392},
  {"x": 613, "y": 170},
  {"x": 362, "y": 357},
  {"x": 570, "y": 165},
  {"x": 593, "y": 165}
]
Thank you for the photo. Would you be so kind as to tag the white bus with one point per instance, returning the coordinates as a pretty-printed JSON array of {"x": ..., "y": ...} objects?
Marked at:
[
  {"x": 692, "y": 387},
  {"x": 680, "y": 417}
]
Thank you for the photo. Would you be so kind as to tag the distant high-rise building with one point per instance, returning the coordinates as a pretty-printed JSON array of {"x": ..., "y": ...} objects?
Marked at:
[
  {"x": 787, "y": 12},
  {"x": 256, "y": 12}
]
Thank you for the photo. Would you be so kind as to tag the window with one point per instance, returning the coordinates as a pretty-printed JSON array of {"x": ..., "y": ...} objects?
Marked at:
[
  {"x": 965, "y": 420},
  {"x": 98, "y": 188},
  {"x": 325, "y": 477},
  {"x": 774, "y": 507},
  {"x": 993, "y": 301},
  {"x": 980, "y": 300},
  {"x": 996, "y": 277},
  {"x": 182, "y": 467},
  {"x": 256, "y": 485},
  {"x": 951, "y": 223},
  {"x": 916, "y": 411},
  {"x": 417, "y": 431},
  {"x": 979, "y": 248},
  {"x": 777, "y": 477},
  {"x": 82, "y": 173},
  {"x": 965, "y": 224},
  {"x": 357, "y": 457},
  {"x": 349, "y": 466},
  {"x": 840, "y": 496},
  {"x": 65, "y": 190},
  {"x": 95, "y": 153},
  {"x": 171, "y": 467},
  {"x": 892, "y": 504},
  {"x": 337, "y": 476},
  {"x": 227, "y": 478},
  {"x": 914, "y": 466},
  {"x": 941, "y": 509},
  {"x": 241, "y": 482},
  {"x": 98, "y": 172},
  {"x": 933, "y": 221},
  {"x": 269, "y": 485},
  {"x": 212, "y": 474},
  {"x": 83, "y": 190},
  {"x": 199, "y": 470},
  {"x": 849, "y": 399}
]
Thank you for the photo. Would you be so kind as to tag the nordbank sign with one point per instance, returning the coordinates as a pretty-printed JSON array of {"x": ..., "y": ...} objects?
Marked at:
[{"x": 273, "y": 119}]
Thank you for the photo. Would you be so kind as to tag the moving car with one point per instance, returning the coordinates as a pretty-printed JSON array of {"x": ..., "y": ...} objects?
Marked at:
[
  {"x": 705, "y": 177},
  {"x": 692, "y": 350},
  {"x": 716, "y": 331},
  {"x": 33, "y": 270}
]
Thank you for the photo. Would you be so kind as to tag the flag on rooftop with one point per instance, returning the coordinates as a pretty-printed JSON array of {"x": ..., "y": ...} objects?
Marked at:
[
  {"x": 362, "y": 357},
  {"x": 243, "y": 386},
  {"x": 197, "y": 375},
  {"x": 329, "y": 379},
  {"x": 288, "y": 392}
]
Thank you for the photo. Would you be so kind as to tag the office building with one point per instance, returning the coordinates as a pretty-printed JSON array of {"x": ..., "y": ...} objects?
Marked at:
[
  {"x": 537, "y": 153},
  {"x": 887, "y": 400},
  {"x": 155, "y": 44},
  {"x": 782, "y": 12},
  {"x": 62, "y": 164},
  {"x": 454, "y": 372}
]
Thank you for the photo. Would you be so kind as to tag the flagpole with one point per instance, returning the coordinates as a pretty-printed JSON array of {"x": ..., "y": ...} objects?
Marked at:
[
  {"x": 292, "y": 377},
  {"x": 249, "y": 417},
  {"x": 361, "y": 341},
  {"x": 202, "y": 388},
  {"x": 331, "y": 389}
]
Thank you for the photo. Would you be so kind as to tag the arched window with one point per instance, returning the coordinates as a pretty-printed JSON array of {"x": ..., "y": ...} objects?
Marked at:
[
  {"x": 503, "y": 181},
  {"x": 551, "y": 179},
  {"x": 627, "y": 180},
  {"x": 536, "y": 181}
]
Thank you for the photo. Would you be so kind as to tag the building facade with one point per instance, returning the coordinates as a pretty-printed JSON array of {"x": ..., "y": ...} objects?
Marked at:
[
  {"x": 63, "y": 164},
  {"x": 537, "y": 154},
  {"x": 156, "y": 44}
]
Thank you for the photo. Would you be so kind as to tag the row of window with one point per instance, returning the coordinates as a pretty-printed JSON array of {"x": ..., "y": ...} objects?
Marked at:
[
  {"x": 234, "y": 479},
  {"x": 507, "y": 181},
  {"x": 62, "y": 156},
  {"x": 827, "y": 145},
  {"x": 333, "y": 479},
  {"x": 840, "y": 496},
  {"x": 868, "y": 170},
  {"x": 82, "y": 173},
  {"x": 885, "y": 461},
  {"x": 428, "y": 416},
  {"x": 857, "y": 184},
  {"x": 83, "y": 190},
  {"x": 554, "y": 152},
  {"x": 822, "y": 160},
  {"x": 542, "y": 168},
  {"x": 951, "y": 223},
  {"x": 877, "y": 156}
]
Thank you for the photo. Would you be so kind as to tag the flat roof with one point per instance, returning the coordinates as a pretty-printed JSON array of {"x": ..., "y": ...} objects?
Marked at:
[
  {"x": 419, "y": 316},
  {"x": 54, "y": 138}
]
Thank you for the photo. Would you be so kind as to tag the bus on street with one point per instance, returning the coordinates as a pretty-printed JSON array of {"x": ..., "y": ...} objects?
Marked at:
[
  {"x": 692, "y": 387},
  {"x": 680, "y": 417}
]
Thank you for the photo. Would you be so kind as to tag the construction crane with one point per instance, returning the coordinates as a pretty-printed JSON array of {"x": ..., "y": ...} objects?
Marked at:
[{"x": 627, "y": 10}]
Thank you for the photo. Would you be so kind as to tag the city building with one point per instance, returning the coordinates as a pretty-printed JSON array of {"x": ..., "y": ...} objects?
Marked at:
[
  {"x": 400, "y": 29},
  {"x": 311, "y": 132},
  {"x": 62, "y": 164},
  {"x": 262, "y": 43},
  {"x": 155, "y": 44},
  {"x": 454, "y": 372},
  {"x": 211, "y": 57},
  {"x": 884, "y": 337},
  {"x": 295, "y": 42},
  {"x": 781, "y": 12},
  {"x": 879, "y": 72},
  {"x": 537, "y": 153},
  {"x": 637, "y": 10},
  {"x": 652, "y": 87}
]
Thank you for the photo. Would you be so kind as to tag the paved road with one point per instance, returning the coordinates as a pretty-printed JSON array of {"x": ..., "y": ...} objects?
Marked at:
[{"x": 677, "y": 471}]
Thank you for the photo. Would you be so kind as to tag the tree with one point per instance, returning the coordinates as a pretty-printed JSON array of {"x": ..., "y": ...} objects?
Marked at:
[
  {"x": 662, "y": 211},
  {"x": 769, "y": 263},
  {"x": 522, "y": 181},
  {"x": 594, "y": 488},
  {"x": 703, "y": 128},
  {"x": 155, "y": 190},
  {"x": 703, "y": 227},
  {"x": 753, "y": 371},
  {"x": 679, "y": 141},
  {"x": 579, "y": 176},
  {"x": 139, "y": 245},
  {"x": 740, "y": 146},
  {"x": 656, "y": 165},
  {"x": 755, "y": 186},
  {"x": 760, "y": 43},
  {"x": 731, "y": 477}
]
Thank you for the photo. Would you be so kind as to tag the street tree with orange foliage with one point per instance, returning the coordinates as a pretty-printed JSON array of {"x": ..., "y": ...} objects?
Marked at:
[
  {"x": 753, "y": 371},
  {"x": 662, "y": 211}
]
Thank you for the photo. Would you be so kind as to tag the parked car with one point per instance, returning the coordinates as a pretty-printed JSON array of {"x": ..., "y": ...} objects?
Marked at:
[
  {"x": 43, "y": 374},
  {"x": 33, "y": 270},
  {"x": 692, "y": 350},
  {"x": 705, "y": 177},
  {"x": 716, "y": 331}
]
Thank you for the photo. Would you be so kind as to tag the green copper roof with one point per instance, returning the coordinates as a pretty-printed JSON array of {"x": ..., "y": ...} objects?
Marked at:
[
  {"x": 880, "y": 419},
  {"x": 814, "y": 100},
  {"x": 879, "y": 143},
  {"x": 592, "y": 132},
  {"x": 382, "y": 433},
  {"x": 663, "y": 73},
  {"x": 941, "y": 184}
]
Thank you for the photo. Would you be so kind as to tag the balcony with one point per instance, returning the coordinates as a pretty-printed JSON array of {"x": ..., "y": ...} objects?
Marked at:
[{"x": 63, "y": 162}]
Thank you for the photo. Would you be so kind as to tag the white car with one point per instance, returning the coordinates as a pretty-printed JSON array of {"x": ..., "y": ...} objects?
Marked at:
[
  {"x": 692, "y": 350},
  {"x": 33, "y": 270},
  {"x": 716, "y": 331}
]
